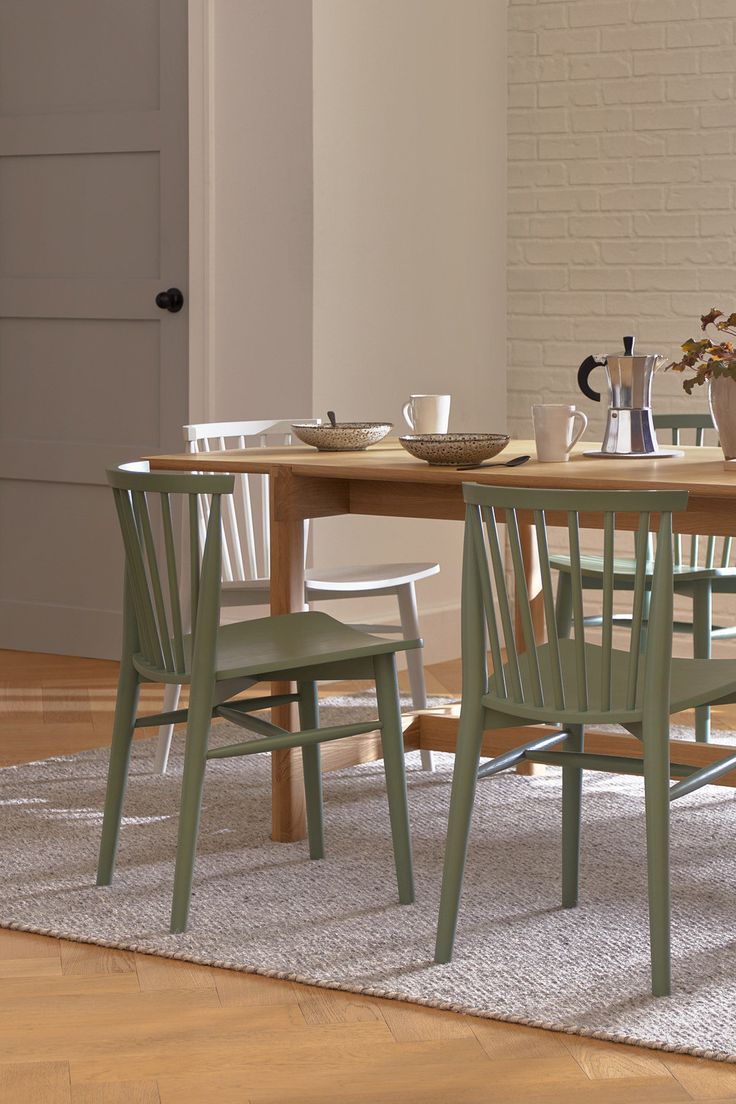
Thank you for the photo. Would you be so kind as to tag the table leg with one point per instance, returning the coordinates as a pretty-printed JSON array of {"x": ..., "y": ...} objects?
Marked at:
[{"x": 288, "y": 811}]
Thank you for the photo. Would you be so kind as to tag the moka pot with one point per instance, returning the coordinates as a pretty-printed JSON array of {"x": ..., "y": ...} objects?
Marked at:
[{"x": 629, "y": 426}]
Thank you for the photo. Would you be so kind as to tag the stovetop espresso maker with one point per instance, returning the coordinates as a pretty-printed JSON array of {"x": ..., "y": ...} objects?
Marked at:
[{"x": 629, "y": 427}]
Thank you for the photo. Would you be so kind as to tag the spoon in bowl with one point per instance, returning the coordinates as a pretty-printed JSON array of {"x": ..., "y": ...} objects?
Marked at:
[{"x": 514, "y": 462}]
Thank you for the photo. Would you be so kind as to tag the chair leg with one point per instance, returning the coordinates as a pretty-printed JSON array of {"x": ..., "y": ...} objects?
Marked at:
[
  {"x": 702, "y": 624},
  {"x": 409, "y": 618},
  {"x": 645, "y": 620},
  {"x": 126, "y": 706},
  {"x": 572, "y": 788},
  {"x": 464, "y": 779},
  {"x": 656, "y": 794},
  {"x": 392, "y": 742},
  {"x": 311, "y": 765},
  {"x": 165, "y": 732},
  {"x": 198, "y": 727},
  {"x": 563, "y": 605}
]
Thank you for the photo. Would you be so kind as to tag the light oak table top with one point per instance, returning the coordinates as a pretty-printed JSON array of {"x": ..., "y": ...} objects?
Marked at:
[{"x": 700, "y": 469}]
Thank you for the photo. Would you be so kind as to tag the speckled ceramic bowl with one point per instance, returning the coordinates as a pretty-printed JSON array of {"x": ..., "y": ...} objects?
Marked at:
[
  {"x": 344, "y": 437},
  {"x": 452, "y": 449}
]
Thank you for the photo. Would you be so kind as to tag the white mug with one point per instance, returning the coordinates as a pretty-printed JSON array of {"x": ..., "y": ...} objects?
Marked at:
[
  {"x": 554, "y": 431},
  {"x": 427, "y": 413}
]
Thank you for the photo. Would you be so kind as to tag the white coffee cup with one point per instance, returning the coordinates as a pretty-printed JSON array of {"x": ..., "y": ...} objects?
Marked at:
[
  {"x": 554, "y": 431},
  {"x": 427, "y": 413}
]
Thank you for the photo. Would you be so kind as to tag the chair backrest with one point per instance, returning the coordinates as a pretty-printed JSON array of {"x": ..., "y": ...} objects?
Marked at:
[
  {"x": 556, "y": 674},
  {"x": 143, "y": 500},
  {"x": 676, "y": 423},
  {"x": 696, "y": 551},
  {"x": 246, "y": 544}
]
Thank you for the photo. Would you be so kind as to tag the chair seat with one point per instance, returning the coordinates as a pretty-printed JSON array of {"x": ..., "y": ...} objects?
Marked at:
[
  {"x": 592, "y": 567},
  {"x": 694, "y": 682},
  {"x": 367, "y": 576},
  {"x": 271, "y": 644}
]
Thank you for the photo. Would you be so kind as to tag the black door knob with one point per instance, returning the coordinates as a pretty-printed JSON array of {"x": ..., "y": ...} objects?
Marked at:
[{"x": 171, "y": 300}]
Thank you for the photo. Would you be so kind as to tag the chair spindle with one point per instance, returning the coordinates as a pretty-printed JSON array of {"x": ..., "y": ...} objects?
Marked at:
[
  {"x": 499, "y": 682},
  {"x": 504, "y": 605},
  {"x": 558, "y": 687},
  {"x": 524, "y": 606},
  {"x": 576, "y": 581},
  {"x": 642, "y": 541},
  {"x": 609, "y": 525}
]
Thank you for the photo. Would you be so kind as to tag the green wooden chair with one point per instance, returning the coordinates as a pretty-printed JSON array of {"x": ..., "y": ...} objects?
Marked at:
[
  {"x": 702, "y": 570},
  {"x": 574, "y": 683},
  {"x": 219, "y": 662}
]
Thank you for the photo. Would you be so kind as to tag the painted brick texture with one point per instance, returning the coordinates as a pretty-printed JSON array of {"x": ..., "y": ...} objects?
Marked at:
[{"x": 622, "y": 186}]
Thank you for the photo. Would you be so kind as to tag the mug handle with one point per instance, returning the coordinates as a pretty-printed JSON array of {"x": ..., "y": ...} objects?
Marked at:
[
  {"x": 406, "y": 410},
  {"x": 578, "y": 414}
]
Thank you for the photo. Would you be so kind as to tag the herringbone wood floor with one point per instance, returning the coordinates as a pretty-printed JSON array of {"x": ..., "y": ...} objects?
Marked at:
[{"x": 85, "y": 1025}]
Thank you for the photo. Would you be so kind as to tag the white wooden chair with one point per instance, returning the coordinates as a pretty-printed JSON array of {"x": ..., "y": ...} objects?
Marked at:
[{"x": 246, "y": 558}]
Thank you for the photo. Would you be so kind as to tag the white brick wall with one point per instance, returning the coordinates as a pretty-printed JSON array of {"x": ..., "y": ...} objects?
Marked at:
[{"x": 622, "y": 171}]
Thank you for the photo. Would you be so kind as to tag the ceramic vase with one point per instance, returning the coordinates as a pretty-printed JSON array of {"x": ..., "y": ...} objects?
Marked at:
[{"x": 722, "y": 399}]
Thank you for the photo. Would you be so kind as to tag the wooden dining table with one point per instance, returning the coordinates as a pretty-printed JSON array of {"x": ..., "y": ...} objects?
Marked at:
[{"x": 384, "y": 480}]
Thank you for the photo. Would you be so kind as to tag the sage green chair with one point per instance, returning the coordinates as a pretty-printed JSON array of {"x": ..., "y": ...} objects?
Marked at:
[
  {"x": 219, "y": 662},
  {"x": 574, "y": 683},
  {"x": 701, "y": 571}
]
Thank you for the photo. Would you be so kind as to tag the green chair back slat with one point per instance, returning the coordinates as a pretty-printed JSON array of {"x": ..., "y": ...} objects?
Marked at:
[
  {"x": 642, "y": 541},
  {"x": 130, "y": 544},
  {"x": 558, "y": 686},
  {"x": 700, "y": 423},
  {"x": 504, "y": 605},
  {"x": 136, "y": 570},
  {"x": 173, "y": 581},
  {"x": 576, "y": 579},
  {"x": 499, "y": 682},
  {"x": 140, "y": 508},
  {"x": 524, "y": 606},
  {"x": 607, "y": 627},
  {"x": 694, "y": 551},
  {"x": 659, "y": 644},
  {"x": 151, "y": 571},
  {"x": 726, "y": 552},
  {"x": 552, "y": 683},
  {"x": 195, "y": 520}
]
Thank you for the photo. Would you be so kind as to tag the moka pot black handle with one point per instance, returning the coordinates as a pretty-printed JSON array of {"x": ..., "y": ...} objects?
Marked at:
[{"x": 584, "y": 371}]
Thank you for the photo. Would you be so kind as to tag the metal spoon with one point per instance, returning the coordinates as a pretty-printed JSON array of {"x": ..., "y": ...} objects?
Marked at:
[
  {"x": 513, "y": 463},
  {"x": 333, "y": 419}
]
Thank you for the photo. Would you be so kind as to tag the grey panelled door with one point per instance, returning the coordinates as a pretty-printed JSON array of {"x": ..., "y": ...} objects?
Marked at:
[{"x": 93, "y": 224}]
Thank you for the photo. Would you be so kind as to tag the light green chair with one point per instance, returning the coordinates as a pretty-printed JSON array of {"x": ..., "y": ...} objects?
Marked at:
[
  {"x": 574, "y": 683},
  {"x": 218, "y": 663},
  {"x": 701, "y": 571}
]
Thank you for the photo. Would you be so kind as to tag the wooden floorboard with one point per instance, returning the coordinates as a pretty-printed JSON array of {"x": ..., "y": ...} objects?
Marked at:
[{"x": 88, "y": 1025}]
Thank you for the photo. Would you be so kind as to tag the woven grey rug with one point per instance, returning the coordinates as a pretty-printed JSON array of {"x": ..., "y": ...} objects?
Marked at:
[{"x": 264, "y": 907}]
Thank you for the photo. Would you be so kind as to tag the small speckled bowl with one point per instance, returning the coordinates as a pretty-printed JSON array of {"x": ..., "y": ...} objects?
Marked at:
[
  {"x": 452, "y": 449},
  {"x": 344, "y": 437}
]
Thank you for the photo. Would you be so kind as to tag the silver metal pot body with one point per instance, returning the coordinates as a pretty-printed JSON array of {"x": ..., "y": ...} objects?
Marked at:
[
  {"x": 629, "y": 425},
  {"x": 629, "y": 432},
  {"x": 630, "y": 380}
]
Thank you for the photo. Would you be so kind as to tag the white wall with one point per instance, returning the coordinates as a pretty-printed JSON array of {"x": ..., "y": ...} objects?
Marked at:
[
  {"x": 409, "y": 256},
  {"x": 251, "y": 192},
  {"x": 621, "y": 187}
]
